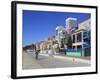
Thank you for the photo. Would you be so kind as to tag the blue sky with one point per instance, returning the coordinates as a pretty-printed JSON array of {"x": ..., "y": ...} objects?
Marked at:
[{"x": 38, "y": 25}]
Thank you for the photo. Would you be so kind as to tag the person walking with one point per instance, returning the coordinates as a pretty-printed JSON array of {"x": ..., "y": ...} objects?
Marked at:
[
  {"x": 36, "y": 54},
  {"x": 37, "y": 51}
]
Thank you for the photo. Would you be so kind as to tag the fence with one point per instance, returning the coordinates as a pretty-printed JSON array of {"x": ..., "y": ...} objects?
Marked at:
[{"x": 79, "y": 52}]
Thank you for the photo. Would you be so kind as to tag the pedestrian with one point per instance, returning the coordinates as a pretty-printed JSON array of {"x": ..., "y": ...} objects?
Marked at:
[{"x": 36, "y": 54}]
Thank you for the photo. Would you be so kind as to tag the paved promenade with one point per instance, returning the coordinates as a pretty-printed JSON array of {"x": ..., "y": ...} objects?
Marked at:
[
  {"x": 46, "y": 61},
  {"x": 29, "y": 62}
]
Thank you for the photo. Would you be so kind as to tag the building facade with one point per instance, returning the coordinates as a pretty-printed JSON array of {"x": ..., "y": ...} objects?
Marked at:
[
  {"x": 82, "y": 37},
  {"x": 62, "y": 36},
  {"x": 80, "y": 34},
  {"x": 70, "y": 24}
]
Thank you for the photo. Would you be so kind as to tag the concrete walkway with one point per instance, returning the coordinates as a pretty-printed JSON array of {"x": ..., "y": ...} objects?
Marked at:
[
  {"x": 28, "y": 62},
  {"x": 48, "y": 61},
  {"x": 75, "y": 59}
]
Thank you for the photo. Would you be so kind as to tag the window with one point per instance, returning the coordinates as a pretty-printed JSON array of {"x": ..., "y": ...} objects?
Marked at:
[
  {"x": 73, "y": 38},
  {"x": 79, "y": 37},
  {"x": 79, "y": 47},
  {"x": 73, "y": 47}
]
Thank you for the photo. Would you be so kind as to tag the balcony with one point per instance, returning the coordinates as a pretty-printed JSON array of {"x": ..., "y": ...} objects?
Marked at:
[
  {"x": 86, "y": 35},
  {"x": 87, "y": 46}
]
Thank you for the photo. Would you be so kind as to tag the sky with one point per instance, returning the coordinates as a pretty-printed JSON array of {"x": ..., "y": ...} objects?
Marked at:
[{"x": 38, "y": 25}]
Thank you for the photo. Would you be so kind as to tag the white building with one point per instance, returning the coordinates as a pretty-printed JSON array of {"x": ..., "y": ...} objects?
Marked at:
[
  {"x": 61, "y": 35},
  {"x": 71, "y": 23},
  {"x": 86, "y": 25},
  {"x": 79, "y": 36},
  {"x": 64, "y": 33}
]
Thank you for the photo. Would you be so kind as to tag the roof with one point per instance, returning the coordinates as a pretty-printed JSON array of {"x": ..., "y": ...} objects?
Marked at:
[
  {"x": 79, "y": 30},
  {"x": 70, "y": 18}
]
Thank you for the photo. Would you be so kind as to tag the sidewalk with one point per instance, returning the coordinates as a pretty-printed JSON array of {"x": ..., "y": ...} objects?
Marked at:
[
  {"x": 48, "y": 61},
  {"x": 29, "y": 62},
  {"x": 74, "y": 59}
]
